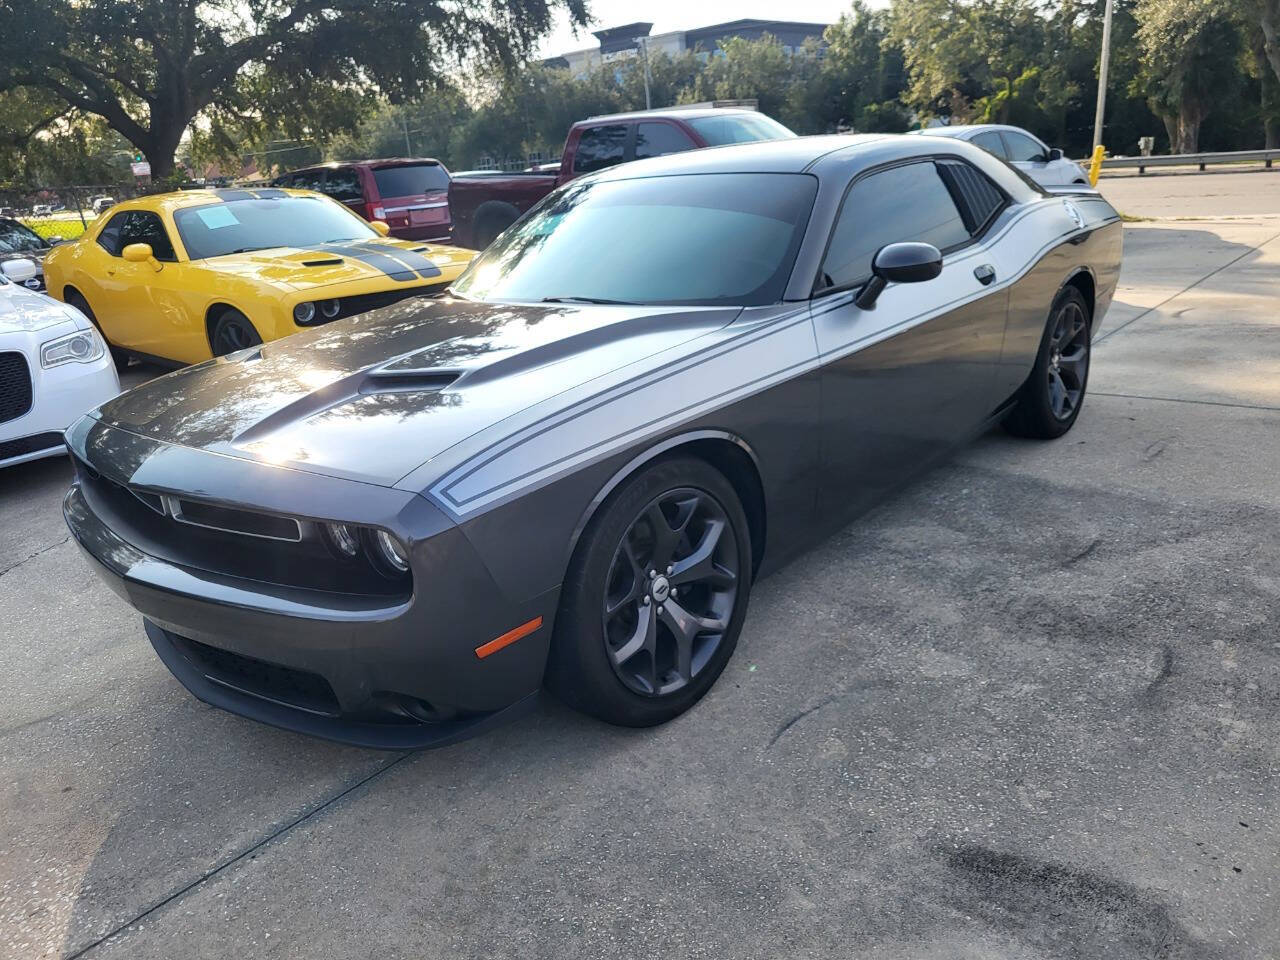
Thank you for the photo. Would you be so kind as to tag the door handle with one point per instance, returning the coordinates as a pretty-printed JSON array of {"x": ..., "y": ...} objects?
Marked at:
[{"x": 986, "y": 274}]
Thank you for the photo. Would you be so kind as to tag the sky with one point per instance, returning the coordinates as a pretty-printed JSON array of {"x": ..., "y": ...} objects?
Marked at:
[{"x": 668, "y": 15}]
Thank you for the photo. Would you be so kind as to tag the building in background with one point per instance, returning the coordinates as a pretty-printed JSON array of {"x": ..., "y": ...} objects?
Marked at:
[{"x": 623, "y": 42}]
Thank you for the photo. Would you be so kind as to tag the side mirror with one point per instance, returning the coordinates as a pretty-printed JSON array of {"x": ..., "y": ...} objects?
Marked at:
[
  {"x": 899, "y": 263},
  {"x": 1055, "y": 154},
  {"x": 137, "y": 252},
  {"x": 380, "y": 227},
  {"x": 19, "y": 271},
  {"x": 54, "y": 241}
]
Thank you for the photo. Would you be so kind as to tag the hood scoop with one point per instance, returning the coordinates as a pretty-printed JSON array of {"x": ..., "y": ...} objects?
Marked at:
[
  {"x": 416, "y": 381},
  {"x": 327, "y": 262}
]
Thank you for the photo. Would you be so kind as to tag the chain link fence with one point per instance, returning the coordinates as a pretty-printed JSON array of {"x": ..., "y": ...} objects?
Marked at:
[{"x": 59, "y": 213}]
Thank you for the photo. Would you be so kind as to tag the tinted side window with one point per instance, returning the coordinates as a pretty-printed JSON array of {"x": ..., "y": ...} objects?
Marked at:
[
  {"x": 600, "y": 147},
  {"x": 659, "y": 139},
  {"x": 109, "y": 238},
  {"x": 991, "y": 143},
  {"x": 136, "y": 226},
  {"x": 16, "y": 238},
  {"x": 1022, "y": 148},
  {"x": 904, "y": 203},
  {"x": 978, "y": 198},
  {"x": 307, "y": 179},
  {"x": 343, "y": 185}
]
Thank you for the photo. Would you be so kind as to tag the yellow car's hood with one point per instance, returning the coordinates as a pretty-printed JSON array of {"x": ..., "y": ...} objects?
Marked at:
[{"x": 327, "y": 264}]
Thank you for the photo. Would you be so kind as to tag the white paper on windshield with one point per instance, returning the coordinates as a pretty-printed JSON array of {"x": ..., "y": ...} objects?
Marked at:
[{"x": 215, "y": 217}]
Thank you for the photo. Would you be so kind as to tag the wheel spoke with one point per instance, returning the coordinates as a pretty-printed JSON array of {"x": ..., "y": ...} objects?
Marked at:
[
  {"x": 666, "y": 537},
  {"x": 1057, "y": 394},
  {"x": 685, "y": 628},
  {"x": 701, "y": 564},
  {"x": 643, "y": 638}
]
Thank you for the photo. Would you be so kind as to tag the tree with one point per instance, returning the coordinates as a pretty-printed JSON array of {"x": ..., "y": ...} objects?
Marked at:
[
  {"x": 861, "y": 76},
  {"x": 1191, "y": 62},
  {"x": 148, "y": 68}
]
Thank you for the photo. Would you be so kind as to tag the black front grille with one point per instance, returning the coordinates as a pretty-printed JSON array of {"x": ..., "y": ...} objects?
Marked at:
[
  {"x": 270, "y": 681},
  {"x": 15, "y": 386},
  {"x": 350, "y": 306},
  {"x": 25, "y": 445}
]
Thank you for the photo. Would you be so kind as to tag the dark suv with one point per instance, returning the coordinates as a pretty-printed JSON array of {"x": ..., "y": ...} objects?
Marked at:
[{"x": 411, "y": 196}]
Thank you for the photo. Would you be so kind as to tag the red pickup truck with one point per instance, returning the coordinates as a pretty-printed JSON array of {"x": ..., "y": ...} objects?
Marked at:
[{"x": 483, "y": 205}]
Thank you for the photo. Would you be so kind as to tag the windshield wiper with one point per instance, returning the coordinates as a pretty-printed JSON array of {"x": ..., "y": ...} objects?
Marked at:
[
  {"x": 629, "y": 303},
  {"x": 273, "y": 246}
]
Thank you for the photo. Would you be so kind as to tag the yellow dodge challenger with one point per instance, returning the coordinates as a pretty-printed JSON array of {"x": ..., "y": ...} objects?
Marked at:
[{"x": 182, "y": 277}]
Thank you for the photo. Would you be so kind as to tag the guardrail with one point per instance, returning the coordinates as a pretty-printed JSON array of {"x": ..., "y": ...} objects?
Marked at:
[{"x": 1192, "y": 159}]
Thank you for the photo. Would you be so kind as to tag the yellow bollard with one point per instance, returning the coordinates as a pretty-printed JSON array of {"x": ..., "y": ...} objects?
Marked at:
[{"x": 1095, "y": 168}]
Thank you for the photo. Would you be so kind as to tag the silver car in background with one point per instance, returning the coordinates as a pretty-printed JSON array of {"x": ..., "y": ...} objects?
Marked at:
[{"x": 1045, "y": 165}]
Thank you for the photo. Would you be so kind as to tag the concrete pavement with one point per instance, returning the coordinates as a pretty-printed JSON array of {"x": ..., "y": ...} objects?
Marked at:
[{"x": 1028, "y": 709}]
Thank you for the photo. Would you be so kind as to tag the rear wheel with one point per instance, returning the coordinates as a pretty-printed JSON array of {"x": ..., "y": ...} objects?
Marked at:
[
  {"x": 655, "y": 596},
  {"x": 121, "y": 357},
  {"x": 232, "y": 331},
  {"x": 1049, "y": 402}
]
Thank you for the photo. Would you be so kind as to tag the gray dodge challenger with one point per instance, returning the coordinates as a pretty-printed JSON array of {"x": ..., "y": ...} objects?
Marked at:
[{"x": 665, "y": 380}]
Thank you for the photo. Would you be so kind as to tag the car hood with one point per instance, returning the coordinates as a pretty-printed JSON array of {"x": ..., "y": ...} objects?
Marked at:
[
  {"x": 376, "y": 396},
  {"x": 24, "y": 310},
  {"x": 328, "y": 264}
]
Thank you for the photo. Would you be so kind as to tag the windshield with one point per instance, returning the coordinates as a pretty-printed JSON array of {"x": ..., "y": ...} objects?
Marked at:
[
  {"x": 15, "y": 238},
  {"x": 237, "y": 226},
  {"x": 725, "y": 238},
  {"x": 739, "y": 128},
  {"x": 410, "y": 179}
]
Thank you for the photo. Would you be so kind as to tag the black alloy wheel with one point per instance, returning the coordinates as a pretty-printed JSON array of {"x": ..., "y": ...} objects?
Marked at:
[
  {"x": 671, "y": 592},
  {"x": 654, "y": 597},
  {"x": 1050, "y": 400},
  {"x": 232, "y": 332},
  {"x": 1068, "y": 367}
]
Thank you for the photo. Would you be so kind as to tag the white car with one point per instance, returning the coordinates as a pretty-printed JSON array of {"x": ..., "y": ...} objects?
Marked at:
[
  {"x": 1047, "y": 167},
  {"x": 54, "y": 367}
]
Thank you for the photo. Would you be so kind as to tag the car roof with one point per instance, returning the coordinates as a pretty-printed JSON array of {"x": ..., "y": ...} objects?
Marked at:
[
  {"x": 674, "y": 113},
  {"x": 790, "y": 155},
  {"x": 382, "y": 162},
  {"x": 964, "y": 129},
  {"x": 181, "y": 199}
]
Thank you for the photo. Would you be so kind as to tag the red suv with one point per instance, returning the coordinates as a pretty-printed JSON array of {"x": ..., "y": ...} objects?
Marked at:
[{"x": 412, "y": 196}]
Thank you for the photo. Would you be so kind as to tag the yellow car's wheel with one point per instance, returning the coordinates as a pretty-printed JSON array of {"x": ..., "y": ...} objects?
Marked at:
[{"x": 232, "y": 331}]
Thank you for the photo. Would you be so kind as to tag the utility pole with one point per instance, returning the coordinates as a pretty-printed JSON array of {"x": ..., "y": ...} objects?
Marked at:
[
  {"x": 643, "y": 44},
  {"x": 1103, "y": 69},
  {"x": 408, "y": 149}
]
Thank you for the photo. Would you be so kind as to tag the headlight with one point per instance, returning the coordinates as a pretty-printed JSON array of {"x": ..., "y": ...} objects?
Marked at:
[
  {"x": 343, "y": 538},
  {"x": 304, "y": 313},
  {"x": 83, "y": 347},
  {"x": 389, "y": 551},
  {"x": 330, "y": 308}
]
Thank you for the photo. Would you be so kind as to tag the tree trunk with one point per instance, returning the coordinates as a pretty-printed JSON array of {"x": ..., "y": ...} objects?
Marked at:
[
  {"x": 1270, "y": 22},
  {"x": 1171, "y": 130}
]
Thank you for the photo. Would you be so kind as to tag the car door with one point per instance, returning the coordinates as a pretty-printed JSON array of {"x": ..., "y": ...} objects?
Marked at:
[
  {"x": 139, "y": 306},
  {"x": 909, "y": 378},
  {"x": 1031, "y": 157}
]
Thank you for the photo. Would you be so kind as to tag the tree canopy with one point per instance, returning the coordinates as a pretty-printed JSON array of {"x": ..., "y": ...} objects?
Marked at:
[{"x": 149, "y": 68}]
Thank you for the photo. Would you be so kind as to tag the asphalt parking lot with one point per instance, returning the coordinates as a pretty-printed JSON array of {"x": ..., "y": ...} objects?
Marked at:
[{"x": 1028, "y": 709}]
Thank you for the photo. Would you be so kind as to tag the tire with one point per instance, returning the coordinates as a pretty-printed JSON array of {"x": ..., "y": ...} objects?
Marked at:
[
  {"x": 232, "y": 331},
  {"x": 590, "y": 666},
  {"x": 1049, "y": 403},
  {"x": 120, "y": 357}
]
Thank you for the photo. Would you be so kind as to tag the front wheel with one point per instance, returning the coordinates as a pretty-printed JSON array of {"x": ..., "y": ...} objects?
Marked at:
[
  {"x": 1049, "y": 402},
  {"x": 655, "y": 596},
  {"x": 232, "y": 332}
]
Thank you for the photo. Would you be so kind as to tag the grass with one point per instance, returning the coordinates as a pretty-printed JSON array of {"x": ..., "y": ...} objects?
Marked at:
[{"x": 67, "y": 229}]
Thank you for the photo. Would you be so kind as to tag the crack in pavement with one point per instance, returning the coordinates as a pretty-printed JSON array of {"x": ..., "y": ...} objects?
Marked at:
[
  {"x": 42, "y": 550},
  {"x": 1203, "y": 403},
  {"x": 1207, "y": 276},
  {"x": 231, "y": 861}
]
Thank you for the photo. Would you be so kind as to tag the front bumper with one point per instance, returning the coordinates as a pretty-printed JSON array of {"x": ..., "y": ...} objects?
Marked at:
[{"x": 371, "y": 671}]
